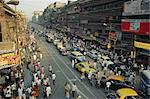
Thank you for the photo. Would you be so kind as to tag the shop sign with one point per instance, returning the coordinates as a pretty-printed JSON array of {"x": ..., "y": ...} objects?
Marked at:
[
  {"x": 137, "y": 26},
  {"x": 9, "y": 60},
  {"x": 7, "y": 54},
  {"x": 142, "y": 45},
  {"x": 136, "y": 7}
]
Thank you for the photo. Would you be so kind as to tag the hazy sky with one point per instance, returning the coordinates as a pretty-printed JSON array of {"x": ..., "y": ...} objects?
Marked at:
[{"x": 28, "y": 6}]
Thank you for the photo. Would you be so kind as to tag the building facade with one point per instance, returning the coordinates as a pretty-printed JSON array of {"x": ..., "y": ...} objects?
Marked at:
[
  {"x": 7, "y": 20},
  {"x": 136, "y": 22}
]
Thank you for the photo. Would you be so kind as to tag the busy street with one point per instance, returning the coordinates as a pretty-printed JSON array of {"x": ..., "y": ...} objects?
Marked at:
[{"x": 74, "y": 49}]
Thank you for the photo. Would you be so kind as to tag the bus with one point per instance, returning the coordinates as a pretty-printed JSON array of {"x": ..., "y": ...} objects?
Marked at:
[{"x": 145, "y": 82}]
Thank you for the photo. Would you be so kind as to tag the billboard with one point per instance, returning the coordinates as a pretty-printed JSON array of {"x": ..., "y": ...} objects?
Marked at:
[
  {"x": 142, "y": 45},
  {"x": 138, "y": 26},
  {"x": 136, "y": 7}
]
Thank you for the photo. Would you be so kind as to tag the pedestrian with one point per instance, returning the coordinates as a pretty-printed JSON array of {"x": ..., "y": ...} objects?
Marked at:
[
  {"x": 42, "y": 75},
  {"x": 28, "y": 90},
  {"x": 53, "y": 78},
  {"x": 74, "y": 89},
  {"x": 50, "y": 69},
  {"x": 90, "y": 77},
  {"x": 108, "y": 84},
  {"x": 48, "y": 91},
  {"x": 14, "y": 88},
  {"x": 105, "y": 70},
  {"x": 20, "y": 92},
  {"x": 41, "y": 56},
  {"x": 34, "y": 57},
  {"x": 17, "y": 76},
  {"x": 94, "y": 64},
  {"x": 8, "y": 93},
  {"x": 42, "y": 69},
  {"x": 67, "y": 95},
  {"x": 82, "y": 76},
  {"x": 73, "y": 63}
]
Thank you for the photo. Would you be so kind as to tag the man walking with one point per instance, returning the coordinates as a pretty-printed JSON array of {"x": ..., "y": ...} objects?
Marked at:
[
  {"x": 53, "y": 78},
  {"x": 74, "y": 89}
]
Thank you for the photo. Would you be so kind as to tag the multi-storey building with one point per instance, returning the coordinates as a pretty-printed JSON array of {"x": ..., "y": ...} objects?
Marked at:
[
  {"x": 7, "y": 20},
  {"x": 136, "y": 23}
]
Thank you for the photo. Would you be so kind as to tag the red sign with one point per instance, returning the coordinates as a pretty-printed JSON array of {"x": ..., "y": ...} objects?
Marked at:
[
  {"x": 135, "y": 26},
  {"x": 112, "y": 35}
]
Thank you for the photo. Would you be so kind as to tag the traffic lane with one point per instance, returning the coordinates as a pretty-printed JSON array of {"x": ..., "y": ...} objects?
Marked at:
[
  {"x": 67, "y": 73},
  {"x": 58, "y": 90},
  {"x": 94, "y": 91},
  {"x": 65, "y": 59},
  {"x": 54, "y": 59}
]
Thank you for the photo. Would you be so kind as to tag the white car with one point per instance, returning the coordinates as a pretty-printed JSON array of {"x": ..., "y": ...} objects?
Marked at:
[{"x": 56, "y": 41}]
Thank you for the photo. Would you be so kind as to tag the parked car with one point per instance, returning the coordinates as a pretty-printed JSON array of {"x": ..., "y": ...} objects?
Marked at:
[
  {"x": 124, "y": 93},
  {"x": 56, "y": 41}
]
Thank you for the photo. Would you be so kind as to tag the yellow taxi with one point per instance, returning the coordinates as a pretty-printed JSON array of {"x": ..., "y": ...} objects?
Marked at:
[
  {"x": 85, "y": 67},
  {"x": 117, "y": 82},
  {"x": 116, "y": 78},
  {"x": 124, "y": 93}
]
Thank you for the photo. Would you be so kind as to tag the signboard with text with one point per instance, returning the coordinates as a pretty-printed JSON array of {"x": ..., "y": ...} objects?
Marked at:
[
  {"x": 138, "y": 26},
  {"x": 142, "y": 45}
]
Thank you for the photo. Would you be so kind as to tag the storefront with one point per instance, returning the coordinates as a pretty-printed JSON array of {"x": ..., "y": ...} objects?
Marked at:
[
  {"x": 9, "y": 60},
  {"x": 142, "y": 52}
]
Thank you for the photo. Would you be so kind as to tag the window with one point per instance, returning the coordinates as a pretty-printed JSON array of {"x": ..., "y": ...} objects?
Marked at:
[{"x": 131, "y": 97}]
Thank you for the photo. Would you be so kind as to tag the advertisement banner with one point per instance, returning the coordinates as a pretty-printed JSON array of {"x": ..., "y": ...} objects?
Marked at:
[
  {"x": 142, "y": 45},
  {"x": 136, "y": 7},
  {"x": 138, "y": 26}
]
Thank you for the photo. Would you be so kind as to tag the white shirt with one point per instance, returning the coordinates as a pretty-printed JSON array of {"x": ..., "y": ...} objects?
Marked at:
[
  {"x": 94, "y": 64},
  {"x": 74, "y": 87},
  {"x": 8, "y": 93},
  {"x": 13, "y": 86},
  {"x": 53, "y": 76},
  {"x": 45, "y": 82},
  {"x": 40, "y": 56},
  {"x": 20, "y": 92},
  {"x": 48, "y": 90},
  {"x": 29, "y": 90},
  {"x": 39, "y": 81},
  {"x": 50, "y": 68},
  {"x": 108, "y": 84},
  {"x": 16, "y": 75},
  {"x": 34, "y": 57}
]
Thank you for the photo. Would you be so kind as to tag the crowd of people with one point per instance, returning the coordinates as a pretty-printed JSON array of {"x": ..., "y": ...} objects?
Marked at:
[
  {"x": 128, "y": 68},
  {"x": 12, "y": 83}
]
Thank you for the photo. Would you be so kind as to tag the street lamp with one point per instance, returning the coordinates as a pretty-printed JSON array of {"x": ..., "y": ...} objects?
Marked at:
[{"x": 15, "y": 3}]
